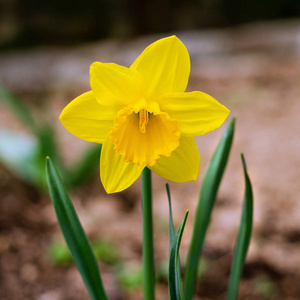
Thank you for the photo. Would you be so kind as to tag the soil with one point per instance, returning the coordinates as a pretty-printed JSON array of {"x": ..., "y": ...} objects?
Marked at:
[{"x": 253, "y": 70}]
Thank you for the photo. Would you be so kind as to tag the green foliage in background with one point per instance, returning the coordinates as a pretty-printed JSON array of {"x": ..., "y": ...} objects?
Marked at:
[
  {"x": 106, "y": 251},
  {"x": 24, "y": 153},
  {"x": 265, "y": 287},
  {"x": 130, "y": 277},
  {"x": 60, "y": 254}
]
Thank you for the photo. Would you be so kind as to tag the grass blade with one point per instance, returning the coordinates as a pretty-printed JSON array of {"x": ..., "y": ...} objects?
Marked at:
[
  {"x": 243, "y": 238},
  {"x": 74, "y": 234},
  {"x": 205, "y": 205},
  {"x": 174, "y": 281}
]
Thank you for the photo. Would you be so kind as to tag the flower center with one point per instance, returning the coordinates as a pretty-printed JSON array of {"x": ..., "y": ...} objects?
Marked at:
[
  {"x": 143, "y": 120},
  {"x": 141, "y": 146}
]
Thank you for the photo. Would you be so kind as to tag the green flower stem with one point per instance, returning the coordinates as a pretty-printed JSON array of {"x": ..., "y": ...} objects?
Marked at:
[{"x": 148, "y": 253}]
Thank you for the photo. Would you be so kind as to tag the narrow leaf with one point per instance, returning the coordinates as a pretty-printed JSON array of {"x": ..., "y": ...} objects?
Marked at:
[
  {"x": 205, "y": 206},
  {"x": 174, "y": 283},
  {"x": 171, "y": 240},
  {"x": 74, "y": 234},
  {"x": 243, "y": 238},
  {"x": 171, "y": 225}
]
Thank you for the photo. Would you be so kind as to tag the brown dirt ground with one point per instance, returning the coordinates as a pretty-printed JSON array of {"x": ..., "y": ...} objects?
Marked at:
[{"x": 254, "y": 71}]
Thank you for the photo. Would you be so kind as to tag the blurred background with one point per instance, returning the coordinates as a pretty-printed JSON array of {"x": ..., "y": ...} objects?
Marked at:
[
  {"x": 32, "y": 23},
  {"x": 245, "y": 54}
]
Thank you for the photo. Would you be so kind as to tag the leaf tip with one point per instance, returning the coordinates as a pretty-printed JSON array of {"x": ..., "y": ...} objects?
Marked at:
[
  {"x": 244, "y": 162},
  {"x": 187, "y": 213},
  {"x": 48, "y": 161},
  {"x": 168, "y": 192},
  {"x": 232, "y": 122}
]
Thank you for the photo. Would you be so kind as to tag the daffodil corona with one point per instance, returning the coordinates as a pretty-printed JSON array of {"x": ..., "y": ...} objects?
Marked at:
[{"x": 142, "y": 116}]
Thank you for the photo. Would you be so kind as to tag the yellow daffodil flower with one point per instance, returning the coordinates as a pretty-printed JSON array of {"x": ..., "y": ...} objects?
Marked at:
[{"x": 142, "y": 116}]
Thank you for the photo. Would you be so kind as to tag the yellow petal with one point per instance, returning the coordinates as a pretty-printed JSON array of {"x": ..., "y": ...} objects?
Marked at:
[
  {"x": 87, "y": 119},
  {"x": 116, "y": 174},
  {"x": 165, "y": 66},
  {"x": 183, "y": 164},
  {"x": 114, "y": 84},
  {"x": 144, "y": 143},
  {"x": 197, "y": 113}
]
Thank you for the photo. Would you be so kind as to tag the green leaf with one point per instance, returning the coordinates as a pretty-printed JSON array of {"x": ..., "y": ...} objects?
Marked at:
[
  {"x": 74, "y": 234},
  {"x": 205, "y": 206},
  {"x": 243, "y": 238},
  {"x": 174, "y": 283},
  {"x": 21, "y": 153},
  {"x": 171, "y": 225},
  {"x": 171, "y": 241}
]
